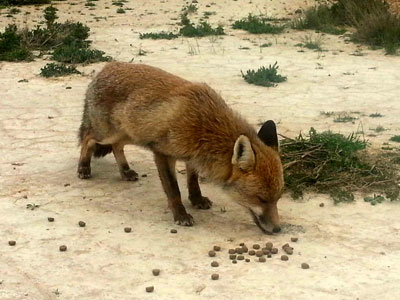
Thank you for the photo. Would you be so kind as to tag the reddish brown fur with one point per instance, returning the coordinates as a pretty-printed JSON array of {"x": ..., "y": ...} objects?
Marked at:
[{"x": 177, "y": 120}]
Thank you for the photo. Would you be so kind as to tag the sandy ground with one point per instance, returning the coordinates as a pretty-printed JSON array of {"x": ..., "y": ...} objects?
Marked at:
[{"x": 353, "y": 249}]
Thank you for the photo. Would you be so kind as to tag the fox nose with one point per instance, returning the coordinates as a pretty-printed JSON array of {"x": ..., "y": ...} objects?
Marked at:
[{"x": 276, "y": 229}]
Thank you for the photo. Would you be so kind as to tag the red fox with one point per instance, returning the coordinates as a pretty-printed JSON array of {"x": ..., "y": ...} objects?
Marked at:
[{"x": 180, "y": 120}]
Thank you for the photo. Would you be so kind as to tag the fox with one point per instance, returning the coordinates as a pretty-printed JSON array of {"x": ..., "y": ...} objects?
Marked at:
[{"x": 181, "y": 120}]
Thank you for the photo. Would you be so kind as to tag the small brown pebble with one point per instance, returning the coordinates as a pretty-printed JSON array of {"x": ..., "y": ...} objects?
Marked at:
[
  {"x": 269, "y": 245},
  {"x": 288, "y": 250},
  {"x": 274, "y": 250},
  {"x": 245, "y": 249},
  {"x": 50, "y": 219},
  {"x": 231, "y": 251},
  {"x": 174, "y": 231},
  {"x": 127, "y": 229},
  {"x": 259, "y": 253},
  {"x": 63, "y": 248},
  {"x": 149, "y": 289},
  {"x": 305, "y": 266},
  {"x": 232, "y": 256},
  {"x": 284, "y": 257},
  {"x": 81, "y": 224},
  {"x": 262, "y": 259},
  {"x": 211, "y": 253},
  {"x": 214, "y": 264},
  {"x": 256, "y": 246},
  {"x": 12, "y": 243},
  {"x": 239, "y": 250},
  {"x": 252, "y": 252},
  {"x": 321, "y": 204},
  {"x": 240, "y": 257},
  {"x": 217, "y": 248},
  {"x": 234, "y": 261},
  {"x": 247, "y": 260},
  {"x": 294, "y": 239},
  {"x": 156, "y": 272},
  {"x": 215, "y": 276},
  {"x": 265, "y": 251}
]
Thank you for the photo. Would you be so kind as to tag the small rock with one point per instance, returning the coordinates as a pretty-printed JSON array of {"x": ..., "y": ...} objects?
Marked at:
[
  {"x": 231, "y": 251},
  {"x": 217, "y": 248},
  {"x": 234, "y": 261},
  {"x": 50, "y": 219},
  {"x": 156, "y": 272},
  {"x": 240, "y": 257},
  {"x": 12, "y": 243},
  {"x": 239, "y": 250},
  {"x": 274, "y": 250},
  {"x": 247, "y": 260},
  {"x": 81, "y": 224},
  {"x": 262, "y": 259},
  {"x": 174, "y": 231},
  {"x": 259, "y": 253},
  {"x": 63, "y": 248},
  {"x": 232, "y": 256},
  {"x": 149, "y": 289},
  {"x": 285, "y": 246},
  {"x": 321, "y": 205},
  {"x": 294, "y": 239},
  {"x": 241, "y": 244},
  {"x": 305, "y": 266},
  {"x": 265, "y": 251},
  {"x": 284, "y": 257},
  {"x": 211, "y": 253},
  {"x": 127, "y": 229},
  {"x": 214, "y": 264},
  {"x": 269, "y": 245},
  {"x": 215, "y": 276},
  {"x": 256, "y": 246},
  {"x": 245, "y": 249},
  {"x": 252, "y": 252}
]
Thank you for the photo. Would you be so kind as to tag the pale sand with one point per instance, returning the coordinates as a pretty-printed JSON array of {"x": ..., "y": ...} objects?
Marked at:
[{"x": 353, "y": 249}]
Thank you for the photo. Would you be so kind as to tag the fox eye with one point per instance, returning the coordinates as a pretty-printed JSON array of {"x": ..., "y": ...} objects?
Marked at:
[{"x": 262, "y": 200}]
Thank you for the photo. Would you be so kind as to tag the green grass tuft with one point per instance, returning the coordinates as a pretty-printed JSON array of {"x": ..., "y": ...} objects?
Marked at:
[
  {"x": 12, "y": 47},
  {"x": 258, "y": 25},
  {"x": 395, "y": 138},
  {"x": 158, "y": 35},
  {"x": 189, "y": 29},
  {"x": 57, "y": 70},
  {"x": 268, "y": 77}
]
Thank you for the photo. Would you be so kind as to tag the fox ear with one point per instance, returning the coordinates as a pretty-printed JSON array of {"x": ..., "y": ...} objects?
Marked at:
[
  {"x": 243, "y": 155},
  {"x": 269, "y": 135}
]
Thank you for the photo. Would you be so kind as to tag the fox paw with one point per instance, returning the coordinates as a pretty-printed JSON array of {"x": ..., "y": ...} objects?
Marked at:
[
  {"x": 201, "y": 203},
  {"x": 184, "y": 220},
  {"x": 84, "y": 172},
  {"x": 129, "y": 175}
]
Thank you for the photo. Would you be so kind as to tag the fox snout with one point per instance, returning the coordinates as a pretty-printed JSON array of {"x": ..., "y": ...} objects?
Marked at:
[{"x": 267, "y": 220}]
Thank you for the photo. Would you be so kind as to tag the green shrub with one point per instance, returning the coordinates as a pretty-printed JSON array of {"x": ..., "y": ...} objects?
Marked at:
[
  {"x": 74, "y": 54},
  {"x": 188, "y": 29},
  {"x": 268, "y": 77},
  {"x": 23, "y": 2},
  {"x": 58, "y": 70},
  {"x": 254, "y": 24},
  {"x": 11, "y": 45},
  {"x": 158, "y": 35}
]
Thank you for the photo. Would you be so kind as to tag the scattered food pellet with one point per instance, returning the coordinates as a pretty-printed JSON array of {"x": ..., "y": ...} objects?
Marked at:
[
  {"x": 232, "y": 256},
  {"x": 288, "y": 250},
  {"x": 82, "y": 224},
  {"x": 211, "y": 253},
  {"x": 259, "y": 253},
  {"x": 245, "y": 249},
  {"x": 63, "y": 248},
  {"x": 12, "y": 243},
  {"x": 274, "y": 250},
  {"x": 294, "y": 239},
  {"x": 241, "y": 244},
  {"x": 256, "y": 246},
  {"x": 217, "y": 248},
  {"x": 269, "y": 255},
  {"x": 247, "y": 259},
  {"x": 321, "y": 205},
  {"x": 50, "y": 219},
  {"x": 262, "y": 259},
  {"x": 240, "y": 257},
  {"x": 269, "y": 245},
  {"x": 286, "y": 245},
  {"x": 127, "y": 229},
  {"x": 231, "y": 251},
  {"x": 234, "y": 261},
  {"x": 215, "y": 276},
  {"x": 252, "y": 252},
  {"x": 214, "y": 264},
  {"x": 149, "y": 289},
  {"x": 174, "y": 231},
  {"x": 305, "y": 266},
  {"x": 156, "y": 272},
  {"x": 284, "y": 257},
  {"x": 144, "y": 175},
  {"x": 265, "y": 251},
  {"x": 239, "y": 250}
]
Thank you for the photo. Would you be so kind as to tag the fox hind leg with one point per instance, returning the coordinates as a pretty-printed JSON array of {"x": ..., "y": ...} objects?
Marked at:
[
  {"x": 88, "y": 145},
  {"x": 126, "y": 172},
  {"x": 166, "y": 171},
  {"x": 195, "y": 196}
]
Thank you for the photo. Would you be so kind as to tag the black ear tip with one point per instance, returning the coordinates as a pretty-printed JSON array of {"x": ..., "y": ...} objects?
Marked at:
[{"x": 268, "y": 134}]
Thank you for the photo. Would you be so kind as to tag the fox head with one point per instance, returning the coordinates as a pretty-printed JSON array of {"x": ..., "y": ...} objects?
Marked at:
[{"x": 257, "y": 176}]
